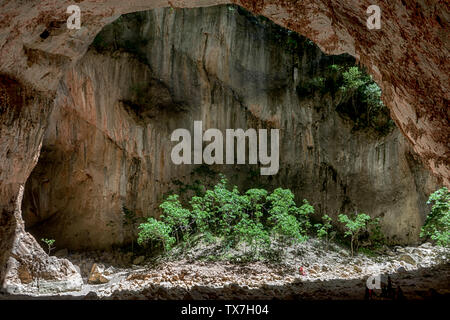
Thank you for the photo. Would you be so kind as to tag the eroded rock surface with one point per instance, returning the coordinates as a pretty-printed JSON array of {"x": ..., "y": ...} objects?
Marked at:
[
  {"x": 37, "y": 49},
  {"x": 30, "y": 269},
  {"x": 327, "y": 274},
  {"x": 108, "y": 142},
  {"x": 36, "y": 46}
]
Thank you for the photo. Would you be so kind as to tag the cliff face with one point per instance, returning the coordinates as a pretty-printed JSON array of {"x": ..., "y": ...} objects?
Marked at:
[
  {"x": 408, "y": 60},
  {"x": 108, "y": 140}
]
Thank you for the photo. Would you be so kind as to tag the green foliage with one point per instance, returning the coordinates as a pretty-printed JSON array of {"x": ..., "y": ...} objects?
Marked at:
[
  {"x": 310, "y": 86},
  {"x": 292, "y": 41},
  {"x": 174, "y": 215},
  {"x": 154, "y": 232},
  {"x": 251, "y": 219},
  {"x": 437, "y": 224},
  {"x": 354, "y": 78},
  {"x": 336, "y": 68},
  {"x": 354, "y": 227},
  {"x": 324, "y": 230},
  {"x": 376, "y": 237},
  {"x": 366, "y": 102},
  {"x": 289, "y": 222},
  {"x": 49, "y": 243}
]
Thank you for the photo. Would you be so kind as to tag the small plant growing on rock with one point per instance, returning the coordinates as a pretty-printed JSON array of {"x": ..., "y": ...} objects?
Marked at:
[
  {"x": 354, "y": 227},
  {"x": 49, "y": 243},
  {"x": 437, "y": 224}
]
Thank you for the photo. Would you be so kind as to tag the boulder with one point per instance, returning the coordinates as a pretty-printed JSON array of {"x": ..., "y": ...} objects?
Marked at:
[
  {"x": 97, "y": 275},
  {"x": 408, "y": 259}
]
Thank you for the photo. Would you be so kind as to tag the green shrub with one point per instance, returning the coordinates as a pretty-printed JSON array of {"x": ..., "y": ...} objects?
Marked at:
[
  {"x": 354, "y": 227},
  {"x": 289, "y": 222},
  {"x": 376, "y": 237},
  {"x": 156, "y": 232},
  {"x": 252, "y": 218},
  {"x": 356, "y": 82},
  {"x": 175, "y": 216},
  {"x": 437, "y": 224},
  {"x": 324, "y": 230}
]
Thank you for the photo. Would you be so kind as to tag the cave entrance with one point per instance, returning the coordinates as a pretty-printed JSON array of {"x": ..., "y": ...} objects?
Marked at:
[{"x": 107, "y": 148}]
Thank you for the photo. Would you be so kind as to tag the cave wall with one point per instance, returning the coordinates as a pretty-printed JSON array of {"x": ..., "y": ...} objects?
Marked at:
[
  {"x": 417, "y": 93},
  {"x": 230, "y": 70}
]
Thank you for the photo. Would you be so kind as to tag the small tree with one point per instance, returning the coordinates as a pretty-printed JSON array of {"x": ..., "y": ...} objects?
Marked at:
[
  {"x": 354, "y": 227},
  {"x": 49, "y": 243},
  {"x": 323, "y": 230},
  {"x": 437, "y": 224}
]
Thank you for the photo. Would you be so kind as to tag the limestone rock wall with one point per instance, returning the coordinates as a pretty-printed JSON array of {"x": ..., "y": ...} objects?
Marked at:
[
  {"x": 108, "y": 141},
  {"x": 417, "y": 93}
]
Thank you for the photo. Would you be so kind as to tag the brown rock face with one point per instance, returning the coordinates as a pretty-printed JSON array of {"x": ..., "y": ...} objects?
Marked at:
[
  {"x": 108, "y": 140},
  {"x": 407, "y": 57}
]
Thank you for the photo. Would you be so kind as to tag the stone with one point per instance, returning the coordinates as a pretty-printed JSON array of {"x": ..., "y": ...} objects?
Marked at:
[
  {"x": 357, "y": 269},
  {"x": 344, "y": 253},
  {"x": 97, "y": 275},
  {"x": 426, "y": 245},
  {"x": 399, "y": 249},
  {"x": 401, "y": 269},
  {"x": 408, "y": 259},
  {"x": 28, "y": 262},
  {"x": 109, "y": 271}
]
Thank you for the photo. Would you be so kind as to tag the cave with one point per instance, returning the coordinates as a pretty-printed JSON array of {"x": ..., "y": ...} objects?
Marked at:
[
  {"x": 107, "y": 145},
  {"x": 104, "y": 145}
]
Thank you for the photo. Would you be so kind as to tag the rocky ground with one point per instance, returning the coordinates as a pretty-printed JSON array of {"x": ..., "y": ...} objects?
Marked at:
[{"x": 306, "y": 271}]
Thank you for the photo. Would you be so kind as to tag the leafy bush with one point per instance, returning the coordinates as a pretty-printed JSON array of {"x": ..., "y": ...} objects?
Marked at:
[
  {"x": 310, "y": 86},
  {"x": 175, "y": 216},
  {"x": 376, "y": 237},
  {"x": 437, "y": 224},
  {"x": 354, "y": 78},
  {"x": 252, "y": 218},
  {"x": 354, "y": 227},
  {"x": 365, "y": 92},
  {"x": 156, "y": 232},
  {"x": 324, "y": 230}
]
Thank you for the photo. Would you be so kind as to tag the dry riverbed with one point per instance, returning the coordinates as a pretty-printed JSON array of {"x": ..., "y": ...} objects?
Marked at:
[{"x": 306, "y": 271}]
